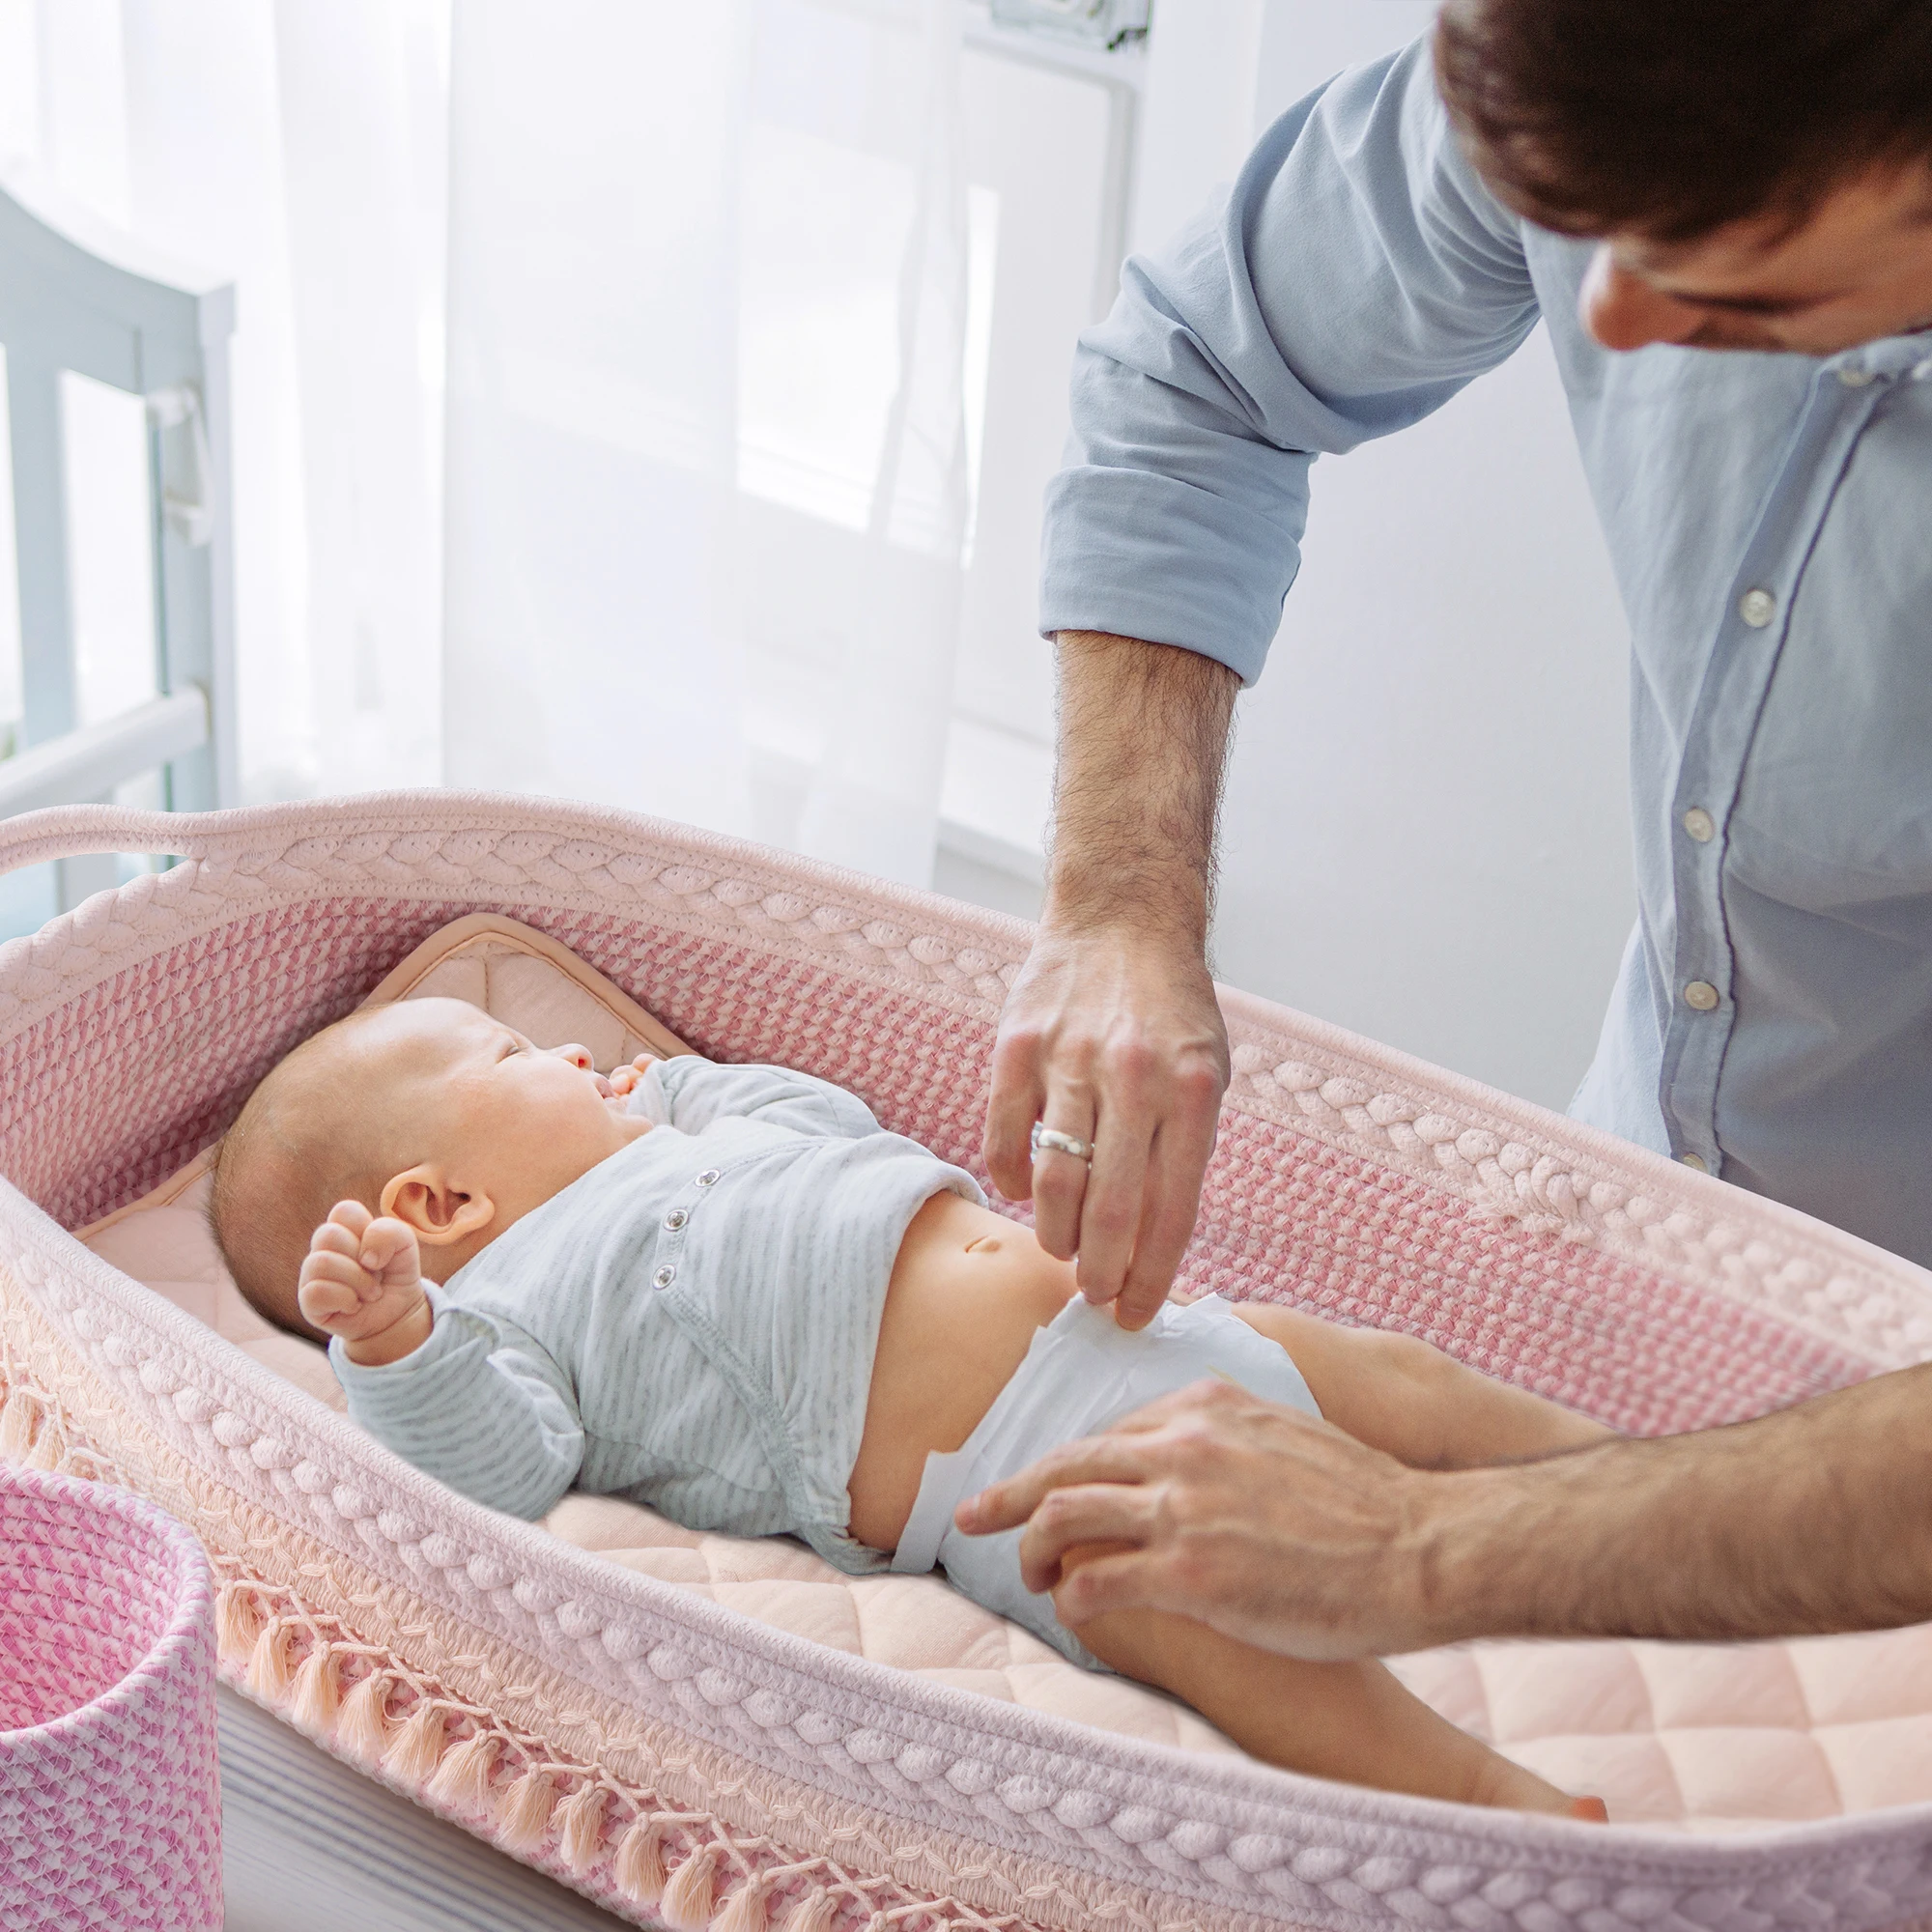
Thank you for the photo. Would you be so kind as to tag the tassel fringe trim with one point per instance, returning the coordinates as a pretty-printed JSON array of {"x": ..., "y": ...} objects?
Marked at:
[
  {"x": 31, "y": 1434},
  {"x": 35, "y": 1433},
  {"x": 686, "y": 1866}
]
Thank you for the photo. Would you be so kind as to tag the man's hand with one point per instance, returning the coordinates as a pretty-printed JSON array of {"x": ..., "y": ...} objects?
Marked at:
[
  {"x": 1260, "y": 1520},
  {"x": 1112, "y": 1035},
  {"x": 1111, "y": 1032},
  {"x": 1289, "y": 1535},
  {"x": 362, "y": 1280}
]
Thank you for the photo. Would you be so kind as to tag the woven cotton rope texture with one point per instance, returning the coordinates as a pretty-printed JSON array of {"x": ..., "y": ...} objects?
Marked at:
[
  {"x": 678, "y": 1760},
  {"x": 109, "y": 1809}
]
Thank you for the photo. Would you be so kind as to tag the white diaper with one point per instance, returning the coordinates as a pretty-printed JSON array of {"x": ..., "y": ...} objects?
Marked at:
[{"x": 1081, "y": 1373}]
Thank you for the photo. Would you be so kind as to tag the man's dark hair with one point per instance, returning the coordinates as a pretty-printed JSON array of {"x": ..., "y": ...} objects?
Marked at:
[{"x": 1671, "y": 117}]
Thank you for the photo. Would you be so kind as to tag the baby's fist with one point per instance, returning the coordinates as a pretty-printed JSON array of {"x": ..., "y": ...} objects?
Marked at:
[
  {"x": 624, "y": 1079},
  {"x": 362, "y": 1281}
]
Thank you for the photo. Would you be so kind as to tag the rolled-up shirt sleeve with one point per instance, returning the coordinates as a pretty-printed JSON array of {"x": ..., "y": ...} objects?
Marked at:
[
  {"x": 1354, "y": 278},
  {"x": 480, "y": 1406}
]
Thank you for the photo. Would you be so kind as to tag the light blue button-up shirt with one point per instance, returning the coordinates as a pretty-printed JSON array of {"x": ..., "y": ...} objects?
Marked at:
[{"x": 1770, "y": 521}]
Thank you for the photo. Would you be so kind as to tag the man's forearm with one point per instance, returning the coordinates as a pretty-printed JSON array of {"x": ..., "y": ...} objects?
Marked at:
[
  {"x": 1142, "y": 744},
  {"x": 1816, "y": 1519}
]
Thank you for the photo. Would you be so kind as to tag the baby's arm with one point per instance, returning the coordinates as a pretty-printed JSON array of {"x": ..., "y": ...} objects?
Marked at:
[{"x": 483, "y": 1408}]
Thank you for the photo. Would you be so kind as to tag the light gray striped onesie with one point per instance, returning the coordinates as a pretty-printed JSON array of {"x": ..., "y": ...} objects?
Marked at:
[{"x": 691, "y": 1325}]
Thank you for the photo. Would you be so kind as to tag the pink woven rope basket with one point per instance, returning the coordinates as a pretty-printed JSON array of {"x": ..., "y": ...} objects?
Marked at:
[
  {"x": 684, "y": 1764},
  {"x": 110, "y": 1802}
]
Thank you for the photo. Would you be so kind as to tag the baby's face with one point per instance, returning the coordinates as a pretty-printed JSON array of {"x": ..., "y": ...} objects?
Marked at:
[{"x": 505, "y": 1118}]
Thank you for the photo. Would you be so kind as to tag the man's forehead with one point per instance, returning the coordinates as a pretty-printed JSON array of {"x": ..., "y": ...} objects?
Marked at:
[{"x": 1775, "y": 261}]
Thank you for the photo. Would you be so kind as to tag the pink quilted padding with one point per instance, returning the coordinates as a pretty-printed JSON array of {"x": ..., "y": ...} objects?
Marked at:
[
  {"x": 1713, "y": 1738},
  {"x": 109, "y": 1805}
]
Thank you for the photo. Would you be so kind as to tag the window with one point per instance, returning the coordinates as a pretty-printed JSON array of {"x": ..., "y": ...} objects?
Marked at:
[{"x": 1049, "y": 130}]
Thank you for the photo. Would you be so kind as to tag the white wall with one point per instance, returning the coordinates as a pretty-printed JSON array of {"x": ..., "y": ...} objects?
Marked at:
[{"x": 1426, "y": 836}]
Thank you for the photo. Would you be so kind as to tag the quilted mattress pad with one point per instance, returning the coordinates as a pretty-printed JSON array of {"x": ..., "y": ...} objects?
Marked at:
[{"x": 699, "y": 1731}]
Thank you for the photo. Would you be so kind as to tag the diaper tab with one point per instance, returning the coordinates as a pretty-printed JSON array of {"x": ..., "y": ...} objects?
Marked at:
[{"x": 940, "y": 1488}]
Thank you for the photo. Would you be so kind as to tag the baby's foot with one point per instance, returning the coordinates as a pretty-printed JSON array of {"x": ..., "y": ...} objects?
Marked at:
[{"x": 1509, "y": 1787}]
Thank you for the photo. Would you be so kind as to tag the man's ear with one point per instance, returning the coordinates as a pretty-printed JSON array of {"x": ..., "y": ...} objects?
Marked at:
[{"x": 440, "y": 1214}]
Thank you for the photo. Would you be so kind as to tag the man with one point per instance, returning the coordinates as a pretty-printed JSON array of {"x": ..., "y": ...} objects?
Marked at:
[{"x": 1724, "y": 216}]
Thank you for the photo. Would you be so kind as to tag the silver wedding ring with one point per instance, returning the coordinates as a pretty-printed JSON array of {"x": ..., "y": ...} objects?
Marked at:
[{"x": 1053, "y": 1141}]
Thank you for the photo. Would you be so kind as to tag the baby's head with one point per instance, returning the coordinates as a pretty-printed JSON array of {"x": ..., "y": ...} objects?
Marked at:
[{"x": 427, "y": 1110}]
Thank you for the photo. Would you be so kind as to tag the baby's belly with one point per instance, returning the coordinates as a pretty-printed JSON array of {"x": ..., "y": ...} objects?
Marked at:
[{"x": 969, "y": 1290}]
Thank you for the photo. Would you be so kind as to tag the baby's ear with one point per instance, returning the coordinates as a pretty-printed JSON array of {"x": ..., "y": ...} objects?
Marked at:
[{"x": 440, "y": 1214}]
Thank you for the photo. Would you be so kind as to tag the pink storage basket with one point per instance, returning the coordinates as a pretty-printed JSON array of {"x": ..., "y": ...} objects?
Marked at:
[{"x": 110, "y": 1806}]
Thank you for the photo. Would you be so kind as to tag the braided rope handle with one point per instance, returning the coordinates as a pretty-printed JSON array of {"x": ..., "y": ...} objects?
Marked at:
[{"x": 80, "y": 831}]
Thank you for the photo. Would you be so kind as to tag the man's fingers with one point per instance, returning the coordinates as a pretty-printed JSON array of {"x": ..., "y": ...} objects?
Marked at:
[
  {"x": 1015, "y": 1106},
  {"x": 1110, "y": 1210},
  {"x": 1170, "y": 1202},
  {"x": 1100, "y": 1513},
  {"x": 1113, "y": 1458},
  {"x": 1060, "y": 1178},
  {"x": 1130, "y": 1580},
  {"x": 1139, "y": 1303},
  {"x": 1261, "y": 1521}
]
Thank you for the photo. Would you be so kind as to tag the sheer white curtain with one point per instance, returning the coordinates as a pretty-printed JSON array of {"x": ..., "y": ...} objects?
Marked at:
[
  {"x": 297, "y": 145},
  {"x": 706, "y": 268},
  {"x": 706, "y": 456}
]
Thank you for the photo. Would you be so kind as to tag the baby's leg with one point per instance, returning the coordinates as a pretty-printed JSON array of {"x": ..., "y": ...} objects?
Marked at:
[
  {"x": 1414, "y": 1402},
  {"x": 1350, "y": 1722}
]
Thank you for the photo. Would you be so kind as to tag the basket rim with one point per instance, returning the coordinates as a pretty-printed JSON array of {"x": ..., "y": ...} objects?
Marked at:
[{"x": 170, "y": 1652}]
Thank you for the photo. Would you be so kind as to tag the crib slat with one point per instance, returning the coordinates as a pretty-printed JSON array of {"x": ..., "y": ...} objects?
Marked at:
[
  {"x": 76, "y": 294},
  {"x": 40, "y": 536}
]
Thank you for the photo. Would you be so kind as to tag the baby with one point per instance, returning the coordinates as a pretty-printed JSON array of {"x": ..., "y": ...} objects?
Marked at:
[{"x": 727, "y": 1292}]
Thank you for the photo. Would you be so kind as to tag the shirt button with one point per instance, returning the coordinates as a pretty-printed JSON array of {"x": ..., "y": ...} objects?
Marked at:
[
  {"x": 1757, "y": 608},
  {"x": 1853, "y": 377},
  {"x": 1701, "y": 825},
  {"x": 1700, "y": 994},
  {"x": 1695, "y": 1162},
  {"x": 709, "y": 1177},
  {"x": 676, "y": 1219},
  {"x": 664, "y": 1276}
]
